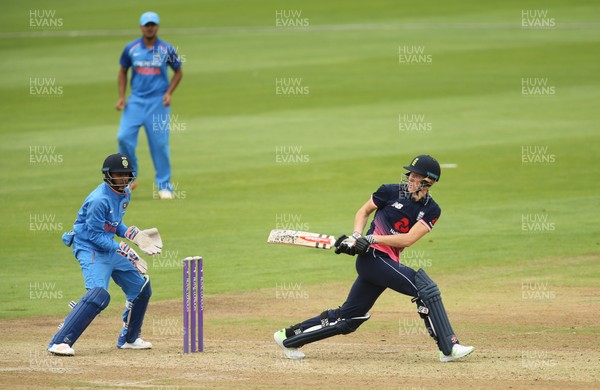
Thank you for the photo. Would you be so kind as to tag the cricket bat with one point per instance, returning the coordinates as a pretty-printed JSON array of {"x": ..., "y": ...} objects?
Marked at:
[{"x": 298, "y": 238}]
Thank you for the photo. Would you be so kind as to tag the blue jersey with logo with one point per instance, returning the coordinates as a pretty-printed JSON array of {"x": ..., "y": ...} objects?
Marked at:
[
  {"x": 100, "y": 218},
  {"x": 396, "y": 214},
  {"x": 149, "y": 66}
]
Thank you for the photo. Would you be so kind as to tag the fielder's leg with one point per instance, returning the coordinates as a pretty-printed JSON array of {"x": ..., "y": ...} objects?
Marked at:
[
  {"x": 158, "y": 130},
  {"x": 431, "y": 309}
]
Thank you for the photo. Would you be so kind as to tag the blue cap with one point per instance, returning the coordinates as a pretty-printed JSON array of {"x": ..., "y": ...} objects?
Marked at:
[{"x": 149, "y": 17}]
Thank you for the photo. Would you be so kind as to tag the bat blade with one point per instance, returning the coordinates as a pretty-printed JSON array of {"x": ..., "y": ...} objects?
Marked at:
[{"x": 299, "y": 238}]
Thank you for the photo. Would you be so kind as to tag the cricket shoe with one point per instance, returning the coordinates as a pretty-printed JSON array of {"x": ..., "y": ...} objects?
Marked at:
[
  {"x": 137, "y": 344},
  {"x": 458, "y": 351},
  {"x": 290, "y": 353},
  {"x": 165, "y": 194},
  {"x": 61, "y": 349}
]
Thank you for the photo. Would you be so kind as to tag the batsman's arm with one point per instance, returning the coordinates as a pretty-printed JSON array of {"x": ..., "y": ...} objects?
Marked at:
[
  {"x": 362, "y": 216},
  {"x": 403, "y": 240}
]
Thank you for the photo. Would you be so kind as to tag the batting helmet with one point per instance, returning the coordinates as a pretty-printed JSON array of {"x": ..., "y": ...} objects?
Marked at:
[{"x": 425, "y": 165}]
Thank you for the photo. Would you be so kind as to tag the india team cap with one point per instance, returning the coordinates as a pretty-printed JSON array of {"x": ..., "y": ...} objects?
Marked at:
[{"x": 149, "y": 17}]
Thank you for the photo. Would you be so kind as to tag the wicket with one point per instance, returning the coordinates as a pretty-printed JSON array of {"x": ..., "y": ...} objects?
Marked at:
[{"x": 193, "y": 304}]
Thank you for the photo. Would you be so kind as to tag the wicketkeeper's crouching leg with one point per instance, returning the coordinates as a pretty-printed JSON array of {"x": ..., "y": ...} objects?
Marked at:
[
  {"x": 82, "y": 315},
  {"x": 133, "y": 319},
  {"x": 431, "y": 309}
]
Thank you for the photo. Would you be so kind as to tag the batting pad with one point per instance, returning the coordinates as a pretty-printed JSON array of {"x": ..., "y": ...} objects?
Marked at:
[
  {"x": 430, "y": 295},
  {"x": 320, "y": 332}
]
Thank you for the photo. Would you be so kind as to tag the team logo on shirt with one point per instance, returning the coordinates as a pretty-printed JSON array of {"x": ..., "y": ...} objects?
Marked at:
[
  {"x": 125, "y": 204},
  {"x": 402, "y": 226},
  {"x": 421, "y": 214},
  {"x": 146, "y": 68},
  {"x": 110, "y": 226}
]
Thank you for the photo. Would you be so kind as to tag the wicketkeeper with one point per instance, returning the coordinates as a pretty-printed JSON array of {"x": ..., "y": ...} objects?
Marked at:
[
  {"x": 100, "y": 218},
  {"x": 404, "y": 213}
]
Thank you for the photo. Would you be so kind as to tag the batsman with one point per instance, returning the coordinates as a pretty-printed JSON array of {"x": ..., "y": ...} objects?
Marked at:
[
  {"x": 99, "y": 219},
  {"x": 404, "y": 213}
]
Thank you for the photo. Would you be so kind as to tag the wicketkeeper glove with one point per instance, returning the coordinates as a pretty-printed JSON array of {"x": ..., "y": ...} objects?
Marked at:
[
  {"x": 363, "y": 243},
  {"x": 149, "y": 240},
  {"x": 127, "y": 252},
  {"x": 345, "y": 244}
]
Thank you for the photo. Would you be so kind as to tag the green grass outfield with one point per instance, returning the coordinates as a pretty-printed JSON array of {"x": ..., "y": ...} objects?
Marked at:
[{"x": 344, "y": 136}]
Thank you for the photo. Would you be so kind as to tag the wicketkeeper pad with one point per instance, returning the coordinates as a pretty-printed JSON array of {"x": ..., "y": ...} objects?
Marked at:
[
  {"x": 135, "y": 319},
  {"x": 84, "y": 312},
  {"x": 429, "y": 293}
]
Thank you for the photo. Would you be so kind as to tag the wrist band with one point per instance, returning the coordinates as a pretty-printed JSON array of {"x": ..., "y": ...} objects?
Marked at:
[{"x": 371, "y": 239}]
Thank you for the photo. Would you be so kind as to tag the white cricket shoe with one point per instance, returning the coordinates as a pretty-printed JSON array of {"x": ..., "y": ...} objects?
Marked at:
[
  {"x": 165, "y": 194},
  {"x": 290, "y": 353},
  {"x": 61, "y": 349},
  {"x": 137, "y": 344},
  {"x": 458, "y": 351}
]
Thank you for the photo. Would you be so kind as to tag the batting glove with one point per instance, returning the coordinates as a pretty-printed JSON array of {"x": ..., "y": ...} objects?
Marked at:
[
  {"x": 127, "y": 252},
  {"x": 363, "y": 243},
  {"x": 149, "y": 240},
  {"x": 345, "y": 244}
]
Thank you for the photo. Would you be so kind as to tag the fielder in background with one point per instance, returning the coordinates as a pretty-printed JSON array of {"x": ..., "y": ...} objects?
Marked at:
[
  {"x": 404, "y": 213},
  {"x": 149, "y": 104},
  {"x": 99, "y": 219}
]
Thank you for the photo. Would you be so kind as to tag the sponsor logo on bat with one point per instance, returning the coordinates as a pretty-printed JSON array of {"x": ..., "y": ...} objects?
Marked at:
[{"x": 320, "y": 240}]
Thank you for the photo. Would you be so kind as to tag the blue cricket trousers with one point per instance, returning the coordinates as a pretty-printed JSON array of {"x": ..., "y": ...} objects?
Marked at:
[
  {"x": 98, "y": 268},
  {"x": 154, "y": 116}
]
